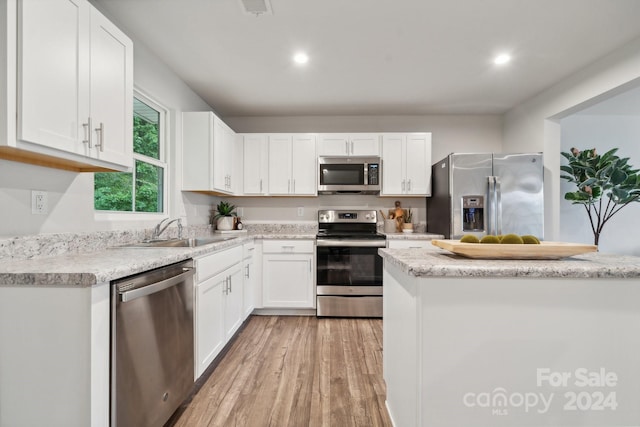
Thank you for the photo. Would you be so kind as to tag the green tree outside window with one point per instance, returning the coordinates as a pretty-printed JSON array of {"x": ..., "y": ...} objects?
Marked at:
[{"x": 142, "y": 190}]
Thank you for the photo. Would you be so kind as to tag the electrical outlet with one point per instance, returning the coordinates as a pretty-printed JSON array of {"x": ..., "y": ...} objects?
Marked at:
[
  {"x": 300, "y": 211},
  {"x": 39, "y": 202}
]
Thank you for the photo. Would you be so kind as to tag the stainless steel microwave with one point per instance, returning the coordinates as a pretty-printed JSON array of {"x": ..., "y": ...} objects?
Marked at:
[{"x": 349, "y": 175}]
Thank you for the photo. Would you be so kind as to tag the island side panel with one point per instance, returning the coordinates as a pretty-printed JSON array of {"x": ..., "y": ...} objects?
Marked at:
[
  {"x": 529, "y": 352},
  {"x": 54, "y": 356},
  {"x": 400, "y": 346}
]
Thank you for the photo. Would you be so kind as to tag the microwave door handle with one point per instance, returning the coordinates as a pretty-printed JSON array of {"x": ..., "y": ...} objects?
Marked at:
[{"x": 366, "y": 174}]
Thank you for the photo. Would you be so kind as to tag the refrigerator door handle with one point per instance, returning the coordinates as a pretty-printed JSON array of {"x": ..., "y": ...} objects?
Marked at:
[
  {"x": 491, "y": 207},
  {"x": 498, "y": 201}
]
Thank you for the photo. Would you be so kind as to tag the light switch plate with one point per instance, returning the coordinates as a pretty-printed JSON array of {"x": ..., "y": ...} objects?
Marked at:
[{"x": 300, "y": 211}]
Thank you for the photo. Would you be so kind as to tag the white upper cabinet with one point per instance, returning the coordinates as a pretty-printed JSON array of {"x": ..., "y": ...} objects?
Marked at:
[
  {"x": 256, "y": 164},
  {"x": 406, "y": 164},
  {"x": 292, "y": 164},
  {"x": 111, "y": 92},
  {"x": 355, "y": 144},
  {"x": 208, "y": 147},
  {"x": 54, "y": 102},
  {"x": 74, "y": 86}
]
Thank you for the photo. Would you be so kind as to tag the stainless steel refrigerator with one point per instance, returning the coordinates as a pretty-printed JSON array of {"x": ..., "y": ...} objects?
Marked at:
[{"x": 487, "y": 193}]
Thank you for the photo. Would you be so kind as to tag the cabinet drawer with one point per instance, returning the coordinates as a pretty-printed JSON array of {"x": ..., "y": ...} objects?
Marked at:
[
  {"x": 410, "y": 244},
  {"x": 248, "y": 249},
  {"x": 210, "y": 265},
  {"x": 288, "y": 246}
]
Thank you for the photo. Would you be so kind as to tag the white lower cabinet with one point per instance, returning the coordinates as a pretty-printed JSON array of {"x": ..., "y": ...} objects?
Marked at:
[
  {"x": 218, "y": 303},
  {"x": 249, "y": 280},
  {"x": 288, "y": 274}
]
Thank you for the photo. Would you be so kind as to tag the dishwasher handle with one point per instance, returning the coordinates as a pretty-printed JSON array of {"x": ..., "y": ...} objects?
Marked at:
[{"x": 132, "y": 294}]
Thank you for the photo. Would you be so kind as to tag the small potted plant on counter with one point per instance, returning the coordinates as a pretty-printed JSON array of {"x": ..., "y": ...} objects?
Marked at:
[
  {"x": 407, "y": 227},
  {"x": 223, "y": 215}
]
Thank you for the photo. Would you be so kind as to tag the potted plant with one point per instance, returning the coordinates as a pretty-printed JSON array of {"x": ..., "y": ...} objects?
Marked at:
[
  {"x": 599, "y": 176},
  {"x": 408, "y": 221},
  {"x": 223, "y": 215}
]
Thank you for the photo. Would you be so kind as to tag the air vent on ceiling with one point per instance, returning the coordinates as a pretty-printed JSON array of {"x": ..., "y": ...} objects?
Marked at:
[{"x": 256, "y": 7}]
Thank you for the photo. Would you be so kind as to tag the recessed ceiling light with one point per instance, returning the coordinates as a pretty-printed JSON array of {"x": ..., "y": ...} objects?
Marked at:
[
  {"x": 301, "y": 58},
  {"x": 502, "y": 59}
]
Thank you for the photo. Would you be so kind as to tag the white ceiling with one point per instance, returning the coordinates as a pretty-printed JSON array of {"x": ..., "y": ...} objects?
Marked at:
[{"x": 387, "y": 57}]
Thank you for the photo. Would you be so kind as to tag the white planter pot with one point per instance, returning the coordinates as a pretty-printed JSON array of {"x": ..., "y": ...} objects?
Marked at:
[{"x": 225, "y": 223}]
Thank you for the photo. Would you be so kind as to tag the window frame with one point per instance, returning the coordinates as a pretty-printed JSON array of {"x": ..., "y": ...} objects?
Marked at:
[{"x": 163, "y": 162}]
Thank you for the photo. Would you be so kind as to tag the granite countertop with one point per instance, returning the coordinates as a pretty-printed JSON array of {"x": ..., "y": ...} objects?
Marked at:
[
  {"x": 88, "y": 269},
  {"x": 441, "y": 263}
]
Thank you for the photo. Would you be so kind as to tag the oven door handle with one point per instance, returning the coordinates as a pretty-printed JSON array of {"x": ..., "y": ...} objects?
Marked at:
[{"x": 350, "y": 243}]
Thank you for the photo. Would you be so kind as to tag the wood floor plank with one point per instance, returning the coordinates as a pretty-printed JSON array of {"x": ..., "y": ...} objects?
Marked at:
[{"x": 296, "y": 371}]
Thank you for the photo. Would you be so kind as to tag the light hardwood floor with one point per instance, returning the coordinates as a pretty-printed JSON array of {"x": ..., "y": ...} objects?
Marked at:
[{"x": 296, "y": 371}]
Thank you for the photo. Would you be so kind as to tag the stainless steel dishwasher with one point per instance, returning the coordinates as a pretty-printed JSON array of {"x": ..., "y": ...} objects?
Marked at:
[{"x": 151, "y": 345}]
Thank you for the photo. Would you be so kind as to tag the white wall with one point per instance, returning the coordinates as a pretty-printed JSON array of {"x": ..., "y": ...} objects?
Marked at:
[
  {"x": 534, "y": 125},
  {"x": 71, "y": 194},
  {"x": 603, "y": 132}
]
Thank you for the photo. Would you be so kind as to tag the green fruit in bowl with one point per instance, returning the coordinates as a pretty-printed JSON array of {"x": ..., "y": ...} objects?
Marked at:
[
  {"x": 511, "y": 239},
  {"x": 530, "y": 240},
  {"x": 490, "y": 239},
  {"x": 469, "y": 238}
]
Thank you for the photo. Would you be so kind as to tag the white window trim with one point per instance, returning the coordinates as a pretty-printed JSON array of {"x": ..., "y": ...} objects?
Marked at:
[{"x": 164, "y": 162}]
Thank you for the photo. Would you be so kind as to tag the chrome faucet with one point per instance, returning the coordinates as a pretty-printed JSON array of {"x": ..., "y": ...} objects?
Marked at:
[{"x": 159, "y": 228}]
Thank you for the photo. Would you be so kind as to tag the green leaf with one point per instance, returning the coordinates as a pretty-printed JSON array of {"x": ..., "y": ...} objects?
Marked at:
[{"x": 618, "y": 177}]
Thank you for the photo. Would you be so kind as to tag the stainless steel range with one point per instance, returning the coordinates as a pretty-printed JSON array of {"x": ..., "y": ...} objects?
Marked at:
[{"x": 349, "y": 269}]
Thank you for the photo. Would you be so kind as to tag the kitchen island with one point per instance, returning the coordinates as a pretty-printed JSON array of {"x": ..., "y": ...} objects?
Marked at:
[{"x": 505, "y": 343}]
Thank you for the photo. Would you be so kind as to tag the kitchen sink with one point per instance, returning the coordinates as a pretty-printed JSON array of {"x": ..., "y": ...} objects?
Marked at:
[{"x": 177, "y": 243}]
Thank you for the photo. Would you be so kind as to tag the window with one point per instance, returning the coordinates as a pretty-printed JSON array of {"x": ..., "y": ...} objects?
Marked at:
[{"x": 142, "y": 190}]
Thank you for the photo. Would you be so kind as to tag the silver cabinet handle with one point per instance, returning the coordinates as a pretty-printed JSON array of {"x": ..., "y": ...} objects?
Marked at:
[
  {"x": 100, "y": 130},
  {"x": 294, "y": 186},
  {"x": 87, "y": 132},
  {"x": 261, "y": 185},
  {"x": 247, "y": 273},
  {"x": 346, "y": 147},
  {"x": 351, "y": 147},
  {"x": 156, "y": 287},
  {"x": 288, "y": 186},
  {"x": 403, "y": 186},
  {"x": 408, "y": 185},
  {"x": 230, "y": 288}
]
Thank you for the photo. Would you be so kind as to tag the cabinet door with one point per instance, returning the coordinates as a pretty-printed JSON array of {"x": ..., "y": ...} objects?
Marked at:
[
  {"x": 288, "y": 281},
  {"x": 279, "y": 164},
  {"x": 220, "y": 157},
  {"x": 333, "y": 145},
  {"x": 209, "y": 323},
  {"x": 230, "y": 150},
  {"x": 304, "y": 165},
  {"x": 366, "y": 144},
  {"x": 256, "y": 157},
  {"x": 111, "y": 92},
  {"x": 197, "y": 151},
  {"x": 233, "y": 305},
  {"x": 53, "y": 69},
  {"x": 418, "y": 164},
  {"x": 248, "y": 286},
  {"x": 393, "y": 180}
]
